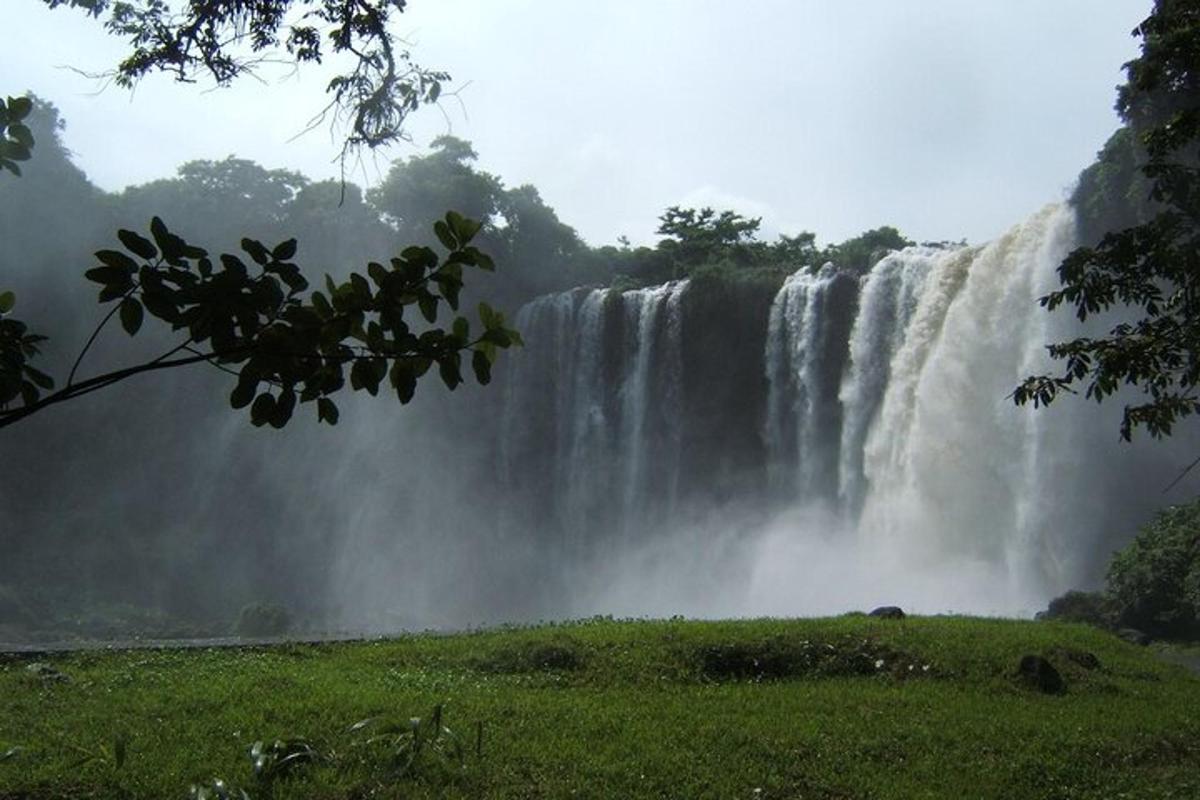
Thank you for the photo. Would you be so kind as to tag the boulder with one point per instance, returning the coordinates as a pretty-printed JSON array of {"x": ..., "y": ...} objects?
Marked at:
[
  {"x": 888, "y": 612},
  {"x": 1038, "y": 673}
]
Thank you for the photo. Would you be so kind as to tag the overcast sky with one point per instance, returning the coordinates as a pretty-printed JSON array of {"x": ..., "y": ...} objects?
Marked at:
[{"x": 946, "y": 118}]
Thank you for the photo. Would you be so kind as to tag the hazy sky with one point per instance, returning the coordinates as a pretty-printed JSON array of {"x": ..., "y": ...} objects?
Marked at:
[{"x": 946, "y": 118}]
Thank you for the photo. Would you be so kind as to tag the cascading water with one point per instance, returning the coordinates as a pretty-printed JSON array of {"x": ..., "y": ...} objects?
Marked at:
[
  {"x": 805, "y": 350},
  {"x": 951, "y": 461},
  {"x": 889, "y": 299},
  {"x": 592, "y": 408},
  {"x": 953, "y": 466}
]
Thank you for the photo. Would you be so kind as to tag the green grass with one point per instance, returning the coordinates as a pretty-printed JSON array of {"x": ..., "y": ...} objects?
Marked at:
[{"x": 754, "y": 709}]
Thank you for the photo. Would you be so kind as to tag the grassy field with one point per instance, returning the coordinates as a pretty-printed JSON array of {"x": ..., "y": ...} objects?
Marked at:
[{"x": 836, "y": 708}]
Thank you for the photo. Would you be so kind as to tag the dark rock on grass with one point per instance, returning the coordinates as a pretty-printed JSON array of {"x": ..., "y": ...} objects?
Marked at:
[
  {"x": 888, "y": 612},
  {"x": 1134, "y": 636},
  {"x": 1038, "y": 673}
]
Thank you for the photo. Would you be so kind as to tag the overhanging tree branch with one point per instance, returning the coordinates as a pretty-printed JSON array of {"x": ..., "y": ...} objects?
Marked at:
[
  {"x": 1151, "y": 269},
  {"x": 297, "y": 349}
]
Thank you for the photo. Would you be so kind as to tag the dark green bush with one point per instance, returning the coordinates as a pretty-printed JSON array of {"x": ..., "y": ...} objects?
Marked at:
[
  {"x": 1090, "y": 608},
  {"x": 1154, "y": 583},
  {"x": 558, "y": 655},
  {"x": 263, "y": 619},
  {"x": 780, "y": 658}
]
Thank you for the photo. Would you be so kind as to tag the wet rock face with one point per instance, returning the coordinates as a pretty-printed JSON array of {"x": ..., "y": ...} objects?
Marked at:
[
  {"x": 888, "y": 612},
  {"x": 1038, "y": 673}
]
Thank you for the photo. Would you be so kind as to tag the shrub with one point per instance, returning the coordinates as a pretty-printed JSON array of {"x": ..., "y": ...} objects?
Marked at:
[
  {"x": 1154, "y": 583},
  {"x": 560, "y": 654},
  {"x": 1090, "y": 608},
  {"x": 263, "y": 619}
]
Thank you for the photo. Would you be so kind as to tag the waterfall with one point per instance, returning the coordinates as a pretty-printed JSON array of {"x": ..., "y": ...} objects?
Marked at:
[
  {"x": 953, "y": 465},
  {"x": 591, "y": 428},
  {"x": 650, "y": 393},
  {"x": 588, "y": 462},
  {"x": 889, "y": 299},
  {"x": 890, "y": 459},
  {"x": 803, "y": 359}
]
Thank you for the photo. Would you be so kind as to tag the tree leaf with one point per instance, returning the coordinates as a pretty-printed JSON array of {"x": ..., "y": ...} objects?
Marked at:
[
  {"x": 38, "y": 377},
  {"x": 233, "y": 265},
  {"x": 377, "y": 273},
  {"x": 403, "y": 379},
  {"x": 321, "y": 305},
  {"x": 257, "y": 251},
  {"x": 487, "y": 316},
  {"x": 284, "y": 250},
  {"x": 15, "y": 150},
  {"x": 262, "y": 410},
  {"x": 283, "y": 408},
  {"x": 449, "y": 370},
  {"x": 131, "y": 315},
  {"x": 461, "y": 329},
  {"x": 464, "y": 229},
  {"x": 158, "y": 229},
  {"x": 482, "y": 366},
  {"x": 7, "y": 301},
  {"x": 138, "y": 245},
  {"x": 19, "y": 108},
  {"x": 327, "y": 411},
  {"x": 444, "y": 235},
  {"x": 243, "y": 394},
  {"x": 110, "y": 276},
  {"x": 22, "y": 134},
  {"x": 117, "y": 259},
  {"x": 428, "y": 304}
]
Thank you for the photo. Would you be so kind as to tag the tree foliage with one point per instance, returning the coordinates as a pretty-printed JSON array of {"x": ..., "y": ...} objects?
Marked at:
[
  {"x": 246, "y": 198},
  {"x": 861, "y": 252},
  {"x": 226, "y": 40},
  {"x": 541, "y": 253},
  {"x": 1151, "y": 269},
  {"x": 1154, "y": 583},
  {"x": 697, "y": 236},
  {"x": 715, "y": 243},
  {"x": 444, "y": 178}
]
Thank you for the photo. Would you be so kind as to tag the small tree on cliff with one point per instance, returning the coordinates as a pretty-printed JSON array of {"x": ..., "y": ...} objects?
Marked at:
[{"x": 700, "y": 236}]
